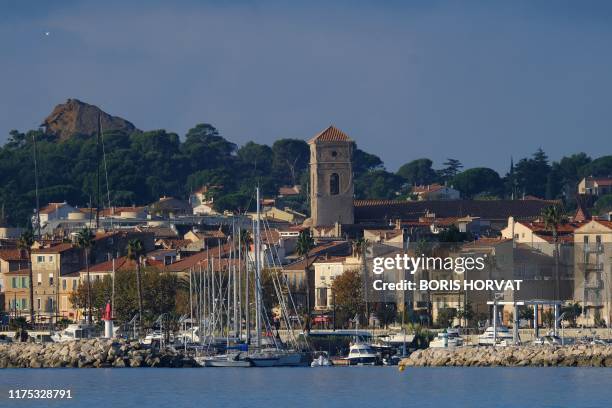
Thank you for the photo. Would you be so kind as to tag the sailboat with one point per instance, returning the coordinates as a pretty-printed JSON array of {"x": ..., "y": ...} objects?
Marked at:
[{"x": 277, "y": 356}]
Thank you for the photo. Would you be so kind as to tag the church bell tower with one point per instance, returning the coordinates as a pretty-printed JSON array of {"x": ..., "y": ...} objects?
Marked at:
[{"x": 331, "y": 178}]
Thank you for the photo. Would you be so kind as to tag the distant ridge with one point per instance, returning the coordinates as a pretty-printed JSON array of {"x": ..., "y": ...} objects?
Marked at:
[{"x": 76, "y": 117}]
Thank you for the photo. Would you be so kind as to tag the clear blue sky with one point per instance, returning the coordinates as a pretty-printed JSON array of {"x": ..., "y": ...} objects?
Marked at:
[{"x": 477, "y": 81}]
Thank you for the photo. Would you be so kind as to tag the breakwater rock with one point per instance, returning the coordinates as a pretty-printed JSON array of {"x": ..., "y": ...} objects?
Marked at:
[
  {"x": 534, "y": 356},
  {"x": 89, "y": 353}
]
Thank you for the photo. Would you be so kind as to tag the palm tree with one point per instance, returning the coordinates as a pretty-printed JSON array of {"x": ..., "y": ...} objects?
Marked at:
[
  {"x": 304, "y": 243},
  {"x": 25, "y": 244},
  {"x": 85, "y": 242},
  {"x": 553, "y": 217},
  {"x": 303, "y": 246},
  {"x": 135, "y": 251}
]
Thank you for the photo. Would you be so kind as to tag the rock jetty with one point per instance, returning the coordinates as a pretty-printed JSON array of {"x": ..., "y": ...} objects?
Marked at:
[
  {"x": 534, "y": 356},
  {"x": 89, "y": 353}
]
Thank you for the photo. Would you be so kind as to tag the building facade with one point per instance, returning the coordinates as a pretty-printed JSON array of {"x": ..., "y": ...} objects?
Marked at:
[{"x": 331, "y": 178}]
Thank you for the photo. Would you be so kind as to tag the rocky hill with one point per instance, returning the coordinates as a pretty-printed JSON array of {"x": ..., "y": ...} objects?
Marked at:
[{"x": 76, "y": 117}]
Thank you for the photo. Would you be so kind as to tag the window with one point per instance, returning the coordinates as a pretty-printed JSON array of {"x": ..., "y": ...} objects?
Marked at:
[
  {"x": 38, "y": 303},
  {"x": 64, "y": 284},
  {"x": 74, "y": 284},
  {"x": 39, "y": 279},
  {"x": 322, "y": 297},
  {"x": 51, "y": 279},
  {"x": 50, "y": 258},
  {"x": 14, "y": 283},
  {"x": 334, "y": 184},
  {"x": 40, "y": 259},
  {"x": 23, "y": 304},
  {"x": 24, "y": 282},
  {"x": 586, "y": 239},
  {"x": 334, "y": 154}
]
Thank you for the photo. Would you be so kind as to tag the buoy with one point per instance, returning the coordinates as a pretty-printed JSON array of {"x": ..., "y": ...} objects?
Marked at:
[{"x": 402, "y": 368}]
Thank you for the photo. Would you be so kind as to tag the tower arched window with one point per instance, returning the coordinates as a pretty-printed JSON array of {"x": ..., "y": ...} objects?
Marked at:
[{"x": 334, "y": 184}]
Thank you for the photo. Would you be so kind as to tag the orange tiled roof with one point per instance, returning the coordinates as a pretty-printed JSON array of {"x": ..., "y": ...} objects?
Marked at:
[
  {"x": 331, "y": 134},
  {"x": 49, "y": 208},
  {"x": 12, "y": 255}
]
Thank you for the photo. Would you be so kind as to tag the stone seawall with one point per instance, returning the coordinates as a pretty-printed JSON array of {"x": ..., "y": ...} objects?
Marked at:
[
  {"x": 88, "y": 353},
  {"x": 535, "y": 356}
]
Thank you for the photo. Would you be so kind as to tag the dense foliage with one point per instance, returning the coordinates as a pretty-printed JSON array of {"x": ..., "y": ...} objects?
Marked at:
[{"x": 143, "y": 166}]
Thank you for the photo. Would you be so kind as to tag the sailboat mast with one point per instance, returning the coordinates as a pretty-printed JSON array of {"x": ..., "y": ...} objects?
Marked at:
[
  {"x": 247, "y": 300},
  {"x": 36, "y": 186},
  {"x": 235, "y": 287},
  {"x": 98, "y": 137},
  {"x": 257, "y": 275}
]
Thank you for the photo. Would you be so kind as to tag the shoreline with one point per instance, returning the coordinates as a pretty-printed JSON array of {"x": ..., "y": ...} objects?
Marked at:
[
  {"x": 512, "y": 356},
  {"x": 92, "y": 353}
]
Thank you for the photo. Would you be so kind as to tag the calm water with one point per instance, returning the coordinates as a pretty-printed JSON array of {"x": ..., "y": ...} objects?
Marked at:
[{"x": 317, "y": 387}]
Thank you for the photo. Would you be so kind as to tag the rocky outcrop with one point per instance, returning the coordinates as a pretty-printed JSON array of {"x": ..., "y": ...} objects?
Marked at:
[
  {"x": 538, "y": 356},
  {"x": 89, "y": 353},
  {"x": 76, "y": 117}
]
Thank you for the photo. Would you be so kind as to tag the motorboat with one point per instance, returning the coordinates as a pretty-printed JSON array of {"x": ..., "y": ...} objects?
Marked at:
[
  {"x": 225, "y": 360},
  {"x": 362, "y": 354},
  {"x": 488, "y": 337},
  {"x": 75, "y": 331},
  {"x": 448, "y": 339},
  {"x": 549, "y": 340},
  {"x": 321, "y": 359},
  {"x": 155, "y": 336}
]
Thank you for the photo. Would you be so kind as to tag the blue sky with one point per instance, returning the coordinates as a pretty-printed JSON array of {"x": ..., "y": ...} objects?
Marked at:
[{"x": 477, "y": 81}]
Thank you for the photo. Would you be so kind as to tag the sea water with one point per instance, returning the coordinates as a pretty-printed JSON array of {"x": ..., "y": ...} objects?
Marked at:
[{"x": 315, "y": 387}]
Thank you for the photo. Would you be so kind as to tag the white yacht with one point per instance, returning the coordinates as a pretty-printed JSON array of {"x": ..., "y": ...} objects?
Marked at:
[
  {"x": 225, "y": 360},
  {"x": 448, "y": 339},
  {"x": 503, "y": 336},
  {"x": 74, "y": 331},
  {"x": 362, "y": 354}
]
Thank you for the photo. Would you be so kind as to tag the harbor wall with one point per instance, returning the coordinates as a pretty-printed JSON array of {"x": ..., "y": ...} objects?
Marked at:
[
  {"x": 87, "y": 354},
  {"x": 513, "y": 356}
]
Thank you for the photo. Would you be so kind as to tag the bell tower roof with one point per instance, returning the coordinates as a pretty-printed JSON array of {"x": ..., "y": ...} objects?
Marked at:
[{"x": 331, "y": 134}]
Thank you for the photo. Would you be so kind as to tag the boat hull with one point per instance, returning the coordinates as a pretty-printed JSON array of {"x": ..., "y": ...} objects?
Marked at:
[{"x": 279, "y": 360}]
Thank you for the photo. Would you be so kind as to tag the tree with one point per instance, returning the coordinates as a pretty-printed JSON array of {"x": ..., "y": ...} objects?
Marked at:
[
  {"x": 466, "y": 313},
  {"x": 26, "y": 240},
  {"x": 304, "y": 243},
  {"x": 348, "y": 294},
  {"x": 361, "y": 248},
  {"x": 418, "y": 172},
  {"x": 531, "y": 174},
  {"x": 553, "y": 217},
  {"x": 364, "y": 162},
  {"x": 377, "y": 184},
  {"x": 84, "y": 241},
  {"x": 453, "y": 166},
  {"x": 303, "y": 246},
  {"x": 161, "y": 294},
  {"x": 479, "y": 180},
  {"x": 290, "y": 159},
  {"x": 603, "y": 204},
  {"x": 446, "y": 315},
  {"x": 572, "y": 312},
  {"x": 135, "y": 250}
]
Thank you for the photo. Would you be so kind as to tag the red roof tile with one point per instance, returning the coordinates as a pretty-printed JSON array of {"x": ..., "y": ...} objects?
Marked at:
[
  {"x": 331, "y": 134},
  {"x": 12, "y": 255}
]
